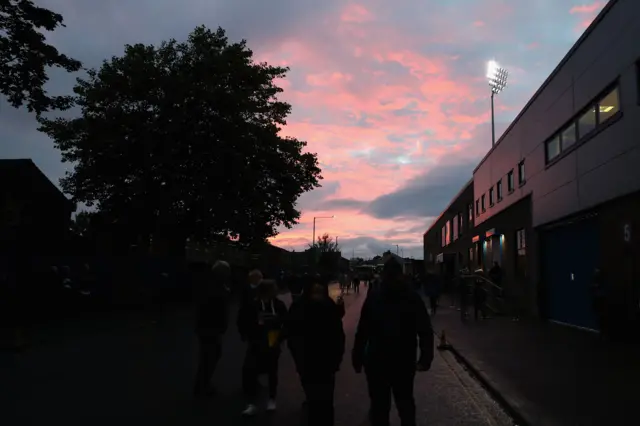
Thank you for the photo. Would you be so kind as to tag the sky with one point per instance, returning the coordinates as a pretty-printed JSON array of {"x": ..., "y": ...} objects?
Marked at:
[{"x": 391, "y": 95}]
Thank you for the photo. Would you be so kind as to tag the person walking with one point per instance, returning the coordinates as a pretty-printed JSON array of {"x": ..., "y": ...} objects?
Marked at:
[
  {"x": 392, "y": 322},
  {"x": 356, "y": 283},
  {"x": 211, "y": 321},
  {"x": 250, "y": 292},
  {"x": 316, "y": 339},
  {"x": 261, "y": 323}
]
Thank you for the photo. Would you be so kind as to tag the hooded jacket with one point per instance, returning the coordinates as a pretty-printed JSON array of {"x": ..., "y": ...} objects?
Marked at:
[
  {"x": 315, "y": 335},
  {"x": 257, "y": 318},
  {"x": 393, "y": 323}
]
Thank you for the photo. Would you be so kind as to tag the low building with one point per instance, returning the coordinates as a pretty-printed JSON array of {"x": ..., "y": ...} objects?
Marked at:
[
  {"x": 448, "y": 243},
  {"x": 35, "y": 216}
]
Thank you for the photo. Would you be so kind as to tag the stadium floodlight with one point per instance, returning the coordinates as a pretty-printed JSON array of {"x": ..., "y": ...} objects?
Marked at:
[{"x": 497, "y": 77}]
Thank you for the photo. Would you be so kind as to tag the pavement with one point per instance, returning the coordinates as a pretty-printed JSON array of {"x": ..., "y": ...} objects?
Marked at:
[
  {"x": 550, "y": 374},
  {"x": 137, "y": 371}
]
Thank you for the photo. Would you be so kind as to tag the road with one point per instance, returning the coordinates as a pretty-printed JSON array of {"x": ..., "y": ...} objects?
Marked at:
[{"x": 135, "y": 371}]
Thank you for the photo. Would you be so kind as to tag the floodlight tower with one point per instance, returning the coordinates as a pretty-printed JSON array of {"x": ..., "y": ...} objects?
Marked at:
[{"x": 497, "y": 77}]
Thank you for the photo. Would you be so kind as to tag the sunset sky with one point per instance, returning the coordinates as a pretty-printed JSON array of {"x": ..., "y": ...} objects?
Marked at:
[{"x": 390, "y": 94}]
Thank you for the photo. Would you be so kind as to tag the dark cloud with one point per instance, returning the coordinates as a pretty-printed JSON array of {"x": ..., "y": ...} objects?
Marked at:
[{"x": 425, "y": 195}]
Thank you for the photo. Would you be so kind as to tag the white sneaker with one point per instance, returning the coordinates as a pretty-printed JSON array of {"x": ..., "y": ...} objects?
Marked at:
[
  {"x": 251, "y": 410},
  {"x": 271, "y": 405}
]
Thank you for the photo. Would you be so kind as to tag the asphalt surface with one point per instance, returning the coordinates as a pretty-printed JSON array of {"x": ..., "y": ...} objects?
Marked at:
[{"x": 137, "y": 371}]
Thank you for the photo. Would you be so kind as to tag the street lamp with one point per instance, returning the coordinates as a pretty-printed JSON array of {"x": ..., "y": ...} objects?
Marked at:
[
  {"x": 313, "y": 242},
  {"x": 497, "y": 77}
]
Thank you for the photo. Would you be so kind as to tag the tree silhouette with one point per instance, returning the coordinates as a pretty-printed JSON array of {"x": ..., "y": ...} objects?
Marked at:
[
  {"x": 184, "y": 139},
  {"x": 325, "y": 244},
  {"x": 25, "y": 56}
]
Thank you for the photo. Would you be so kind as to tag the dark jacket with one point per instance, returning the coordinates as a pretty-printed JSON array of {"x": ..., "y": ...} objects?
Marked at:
[
  {"x": 392, "y": 321},
  {"x": 212, "y": 315},
  {"x": 212, "y": 302},
  {"x": 316, "y": 336},
  {"x": 248, "y": 294},
  {"x": 257, "y": 318}
]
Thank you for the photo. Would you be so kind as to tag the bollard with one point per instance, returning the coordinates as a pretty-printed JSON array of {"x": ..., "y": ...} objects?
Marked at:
[{"x": 444, "y": 345}]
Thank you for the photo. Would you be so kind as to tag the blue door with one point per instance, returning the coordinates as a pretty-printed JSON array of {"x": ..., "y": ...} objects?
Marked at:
[{"x": 570, "y": 255}]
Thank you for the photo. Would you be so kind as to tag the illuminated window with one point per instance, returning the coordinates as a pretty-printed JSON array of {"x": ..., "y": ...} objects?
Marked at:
[
  {"x": 499, "y": 189},
  {"x": 448, "y": 233},
  {"x": 608, "y": 106},
  {"x": 569, "y": 136},
  {"x": 510, "y": 181},
  {"x": 470, "y": 215},
  {"x": 553, "y": 148},
  {"x": 444, "y": 236},
  {"x": 587, "y": 122}
]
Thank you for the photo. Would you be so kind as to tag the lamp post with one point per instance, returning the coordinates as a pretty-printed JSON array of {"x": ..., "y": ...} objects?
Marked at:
[
  {"x": 497, "y": 77},
  {"x": 313, "y": 242}
]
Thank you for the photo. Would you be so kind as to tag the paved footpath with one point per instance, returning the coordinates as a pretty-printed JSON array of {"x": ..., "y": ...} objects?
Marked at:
[
  {"x": 550, "y": 374},
  {"x": 138, "y": 372}
]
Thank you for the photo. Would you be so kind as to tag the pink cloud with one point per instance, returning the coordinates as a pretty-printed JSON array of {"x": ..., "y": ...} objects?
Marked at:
[
  {"x": 590, "y": 10},
  {"x": 356, "y": 13}
]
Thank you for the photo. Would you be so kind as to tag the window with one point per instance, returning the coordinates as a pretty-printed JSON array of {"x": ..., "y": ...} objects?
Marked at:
[
  {"x": 455, "y": 228},
  {"x": 460, "y": 223},
  {"x": 471, "y": 255},
  {"x": 499, "y": 189},
  {"x": 470, "y": 215},
  {"x": 521, "y": 243},
  {"x": 491, "y": 203},
  {"x": 444, "y": 236},
  {"x": 587, "y": 122},
  {"x": 608, "y": 106},
  {"x": 521, "y": 178},
  {"x": 510, "y": 181},
  {"x": 477, "y": 207},
  {"x": 569, "y": 137},
  {"x": 447, "y": 239},
  {"x": 553, "y": 148},
  {"x": 484, "y": 207}
]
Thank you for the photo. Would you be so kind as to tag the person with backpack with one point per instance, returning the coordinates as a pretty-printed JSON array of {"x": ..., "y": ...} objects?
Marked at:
[{"x": 260, "y": 323}]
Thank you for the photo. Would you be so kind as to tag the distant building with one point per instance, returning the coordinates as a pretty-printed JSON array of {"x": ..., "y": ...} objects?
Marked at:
[{"x": 35, "y": 216}]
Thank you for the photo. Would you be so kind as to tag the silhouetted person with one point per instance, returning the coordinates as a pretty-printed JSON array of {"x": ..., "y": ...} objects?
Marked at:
[
  {"x": 316, "y": 341},
  {"x": 211, "y": 321},
  {"x": 356, "y": 284},
  {"x": 295, "y": 285},
  {"x": 260, "y": 324},
  {"x": 392, "y": 322},
  {"x": 250, "y": 291}
]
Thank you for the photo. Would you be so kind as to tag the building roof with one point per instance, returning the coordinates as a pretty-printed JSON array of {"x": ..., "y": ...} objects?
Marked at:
[
  {"x": 22, "y": 176},
  {"x": 455, "y": 197},
  {"x": 606, "y": 9}
]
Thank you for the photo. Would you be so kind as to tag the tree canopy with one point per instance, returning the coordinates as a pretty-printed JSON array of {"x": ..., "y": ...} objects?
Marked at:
[
  {"x": 186, "y": 137},
  {"x": 25, "y": 56}
]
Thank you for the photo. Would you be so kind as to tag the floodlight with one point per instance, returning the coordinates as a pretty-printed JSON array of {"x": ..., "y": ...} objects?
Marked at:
[{"x": 497, "y": 77}]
